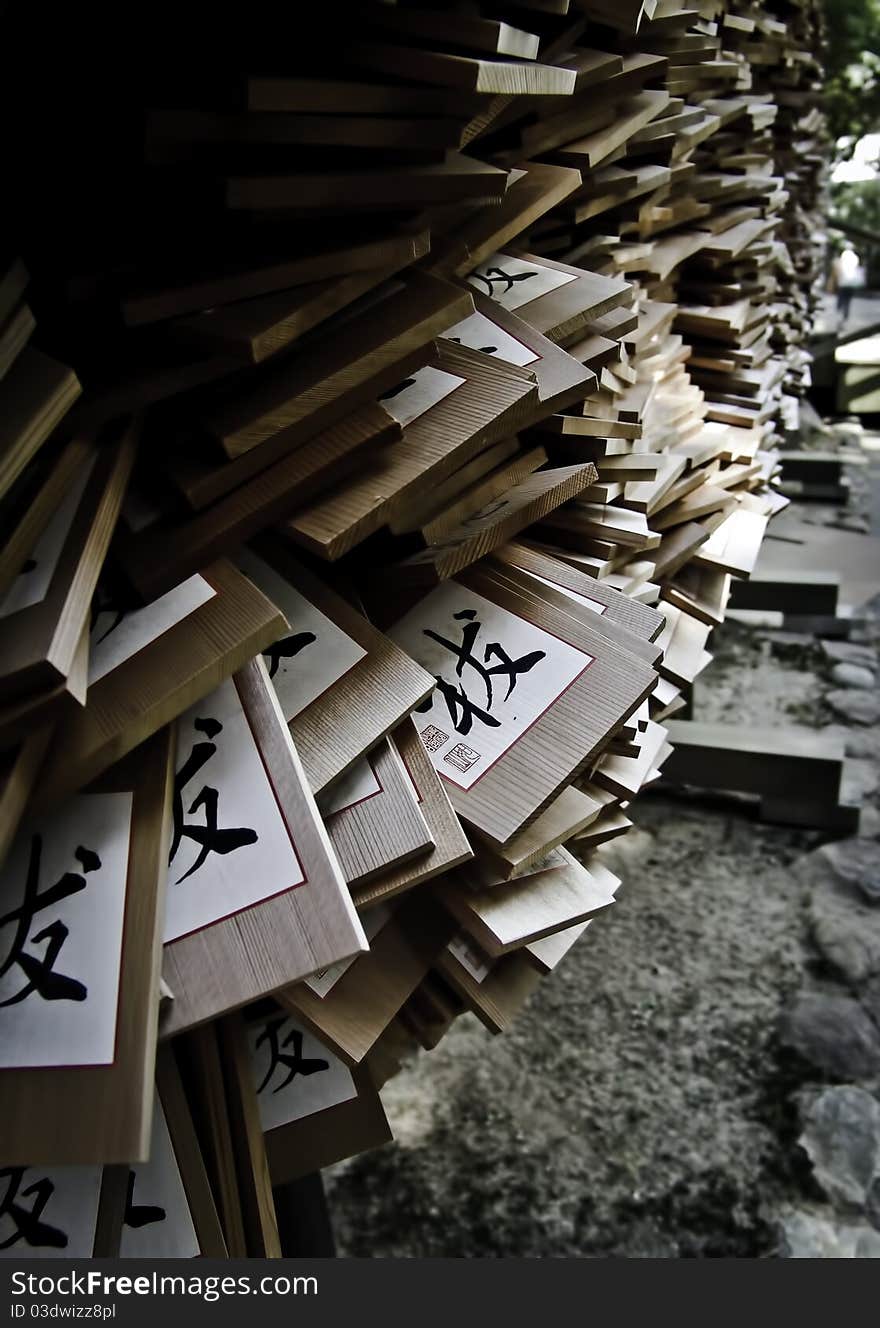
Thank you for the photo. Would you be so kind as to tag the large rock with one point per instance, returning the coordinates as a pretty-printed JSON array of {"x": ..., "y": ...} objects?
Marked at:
[
  {"x": 845, "y": 927},
  {"x": 841, "y": 1137},
  {"x": 858, "y": 707},
  {"x": 856, "y": 862},
  {"x": 817, "y": 1234},
  {"x": 853, "y": 675},
  {"x": 834, "y": 1033},
  {"x": 849, "y": 652}
]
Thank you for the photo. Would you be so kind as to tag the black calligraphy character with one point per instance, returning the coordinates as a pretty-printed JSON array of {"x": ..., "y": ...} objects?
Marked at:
[
  {"x": 462, "y": 709},
  {"x": 28, "y": 1226},
  {"x": 294, "y": 1064},
  {"x": 140, "y": 1215},
  {"x": 39, "y": 972},
  {"x": 497, "y": 274},
  {"x": 287, "y": 649},
  {"x": 209, "y": 837},
  {"x": 484, "y": 350},
  {"x": 396, "y": 391}
]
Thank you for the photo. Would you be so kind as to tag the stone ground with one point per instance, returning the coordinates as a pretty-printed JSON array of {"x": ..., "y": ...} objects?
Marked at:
[{"x": 650, "y": 1099}]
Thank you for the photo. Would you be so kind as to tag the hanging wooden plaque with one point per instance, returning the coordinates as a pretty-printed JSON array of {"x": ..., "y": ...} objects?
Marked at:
[
  {"x": 509, "y": 731},
  {"x": 556, "y": 298},
  {"x": 35, "y": 395},
  {"x": 461, "y": 402},
  {"x": 147, "y": 665},
  {"x": 79, "y": 1019},
  {"x": 451, "y": 847},
  {"x": 373, "y": 817},
  {"x": 313, "y": 1108},
  {"x": 341, "y": 684},
  {"x": 45, "y": 609},
  {"x": 256, "y": 898}
]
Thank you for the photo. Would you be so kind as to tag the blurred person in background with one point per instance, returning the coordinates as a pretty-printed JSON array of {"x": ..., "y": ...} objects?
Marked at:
[{"x": 847, "y": 276}]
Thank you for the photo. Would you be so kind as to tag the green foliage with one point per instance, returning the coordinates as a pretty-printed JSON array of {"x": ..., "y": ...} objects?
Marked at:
[
  {"x": 852, "y": 92},
  {"x": 858, "y": 203}
]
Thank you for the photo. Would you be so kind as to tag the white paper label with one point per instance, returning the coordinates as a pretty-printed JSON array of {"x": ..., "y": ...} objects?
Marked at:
[
  {"x": 32, "y": 583},
  {"x": 62, "y": 908},
  {"x": 230, "y": 846},
  {"x": 358, "y": 784},
  {"x": 117, "y": 633},
  {"x": 594, "y": 605},
  {"x": 409, "y": 399},
  {"x": 48, "y": 1212},
  {"x": 513, "y": 282},
  {"x": 294, "y": 1074},
  {"x": 497, "y": 674},
  {"x": 479, "y": 333},
  {"x": 314, "y": 655},
  {"x": 470, "y": 956},
  {"x": 158, "y": 1223},
  {"x": 324, "y": 981}
]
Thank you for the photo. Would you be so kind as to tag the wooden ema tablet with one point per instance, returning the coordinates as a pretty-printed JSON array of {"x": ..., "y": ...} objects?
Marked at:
[
  {"x": 608, "y": 825},
  {"x": 294, "y": 400},
  {"x": 178, "y": 136},
  {"x": 47, "y": 607},
  {"x": 31, "y": 502},
  {"x": 464, "y": 401},
  {"x": 18, "y": 719},
  {"x": 342, "y": 685},
  {"x": 492, "y": 525},
  {"x": 450, "y": 845},
  {"x": 456, "y": 71},
  {"x": 496, "y": 998},
  {"x": 548, "y": 953},
  {"x": 506, "y": 916},
  {"x": 314, "y": 1118},
  {"x": 101, "y": 1062},
  {"x": 35, "y": 395},
  {"x": 15, "y": 334},
  {"x": 531, "y": 193},
  {"x": 252, "y": 1167},
  {"x": 163, "y": 555},
  {"x": 640, "y": 619},
  {"x": 361, "y": 1004},
  {"x": 373, "y": 818},
  {"x": 625, "y": 775},
  {"x": 259, "y": 278},
  {"x": 563, "y": 818},
  {"x": 556, "y": 299},
  {"x": 495, "y": 330},
  {"x": 264, "y": 326},
  {"x": 14, "y": 278},
  {"x": 172, "y": 652},
  {"x": 460, "y": 30},
  {"x": 380, "y": 190},
  {"x": 735, "y": 545},
  {"x": 293, "y": 914},
  {"x": 188, "y": 1155},
  {"x": 437, "y": 521},
  {"x": 162, "y": 1207},
  {"x": 19, "y": 769},
  {"x": 536, "y": 755},
  {"x": 524, "y": 587},
  {"x": 201, "y": 1070}
]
